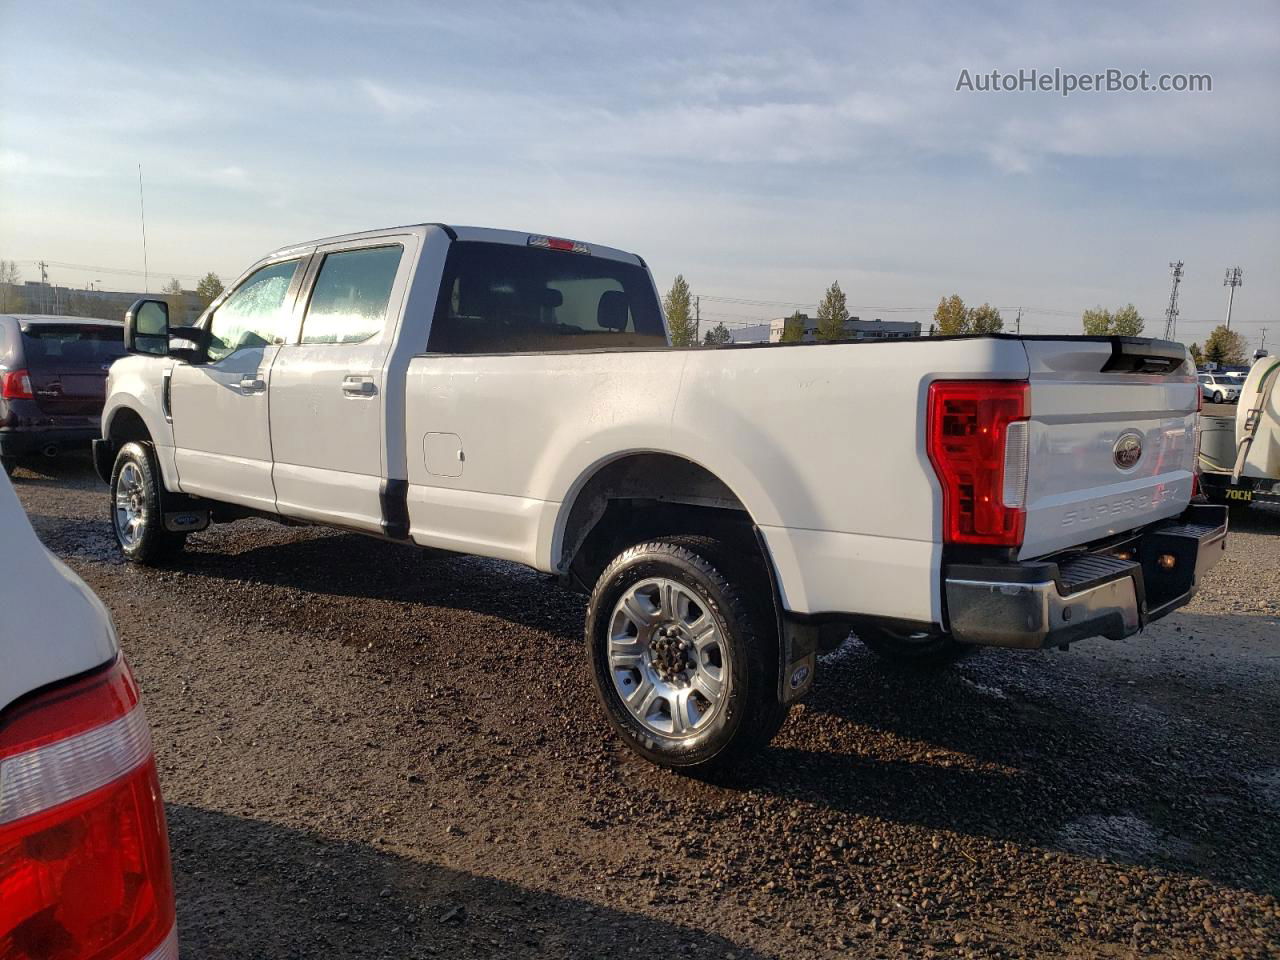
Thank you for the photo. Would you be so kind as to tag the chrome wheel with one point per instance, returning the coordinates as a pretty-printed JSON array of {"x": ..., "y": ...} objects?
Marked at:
[
  {"x": 667, "y": 657},
  {"x": 131, "y": 504}
]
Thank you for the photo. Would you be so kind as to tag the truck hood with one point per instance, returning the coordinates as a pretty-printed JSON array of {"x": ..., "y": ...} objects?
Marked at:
[{"x": 51, "y": 625}]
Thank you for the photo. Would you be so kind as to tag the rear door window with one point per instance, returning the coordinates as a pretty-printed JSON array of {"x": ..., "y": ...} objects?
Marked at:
[
  {"x": 48, "y": 344},
  {"x": 351, "y": 295},
  {"x": 503, "y": 298}
]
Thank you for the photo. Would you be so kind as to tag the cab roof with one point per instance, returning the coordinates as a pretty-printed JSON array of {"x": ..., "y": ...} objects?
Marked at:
[{"x": 473, "y": 234}]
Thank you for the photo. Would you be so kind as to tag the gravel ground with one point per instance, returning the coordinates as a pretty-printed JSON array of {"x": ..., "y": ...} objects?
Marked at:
[{"x": 369, "y": 750}]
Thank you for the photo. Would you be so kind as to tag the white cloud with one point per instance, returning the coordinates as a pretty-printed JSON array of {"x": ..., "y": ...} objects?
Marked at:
[{"x": 394, "y": 102}]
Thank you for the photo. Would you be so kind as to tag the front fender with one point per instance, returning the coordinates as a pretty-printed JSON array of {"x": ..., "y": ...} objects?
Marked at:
[{"x": 136, "y": 384}]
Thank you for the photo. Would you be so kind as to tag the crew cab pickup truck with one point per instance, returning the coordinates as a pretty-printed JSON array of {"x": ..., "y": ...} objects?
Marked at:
[{"x": 728, "y": 510}]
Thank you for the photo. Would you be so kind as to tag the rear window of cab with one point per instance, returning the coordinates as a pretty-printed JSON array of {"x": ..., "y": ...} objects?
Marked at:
[{"x": 504, "y": 298}]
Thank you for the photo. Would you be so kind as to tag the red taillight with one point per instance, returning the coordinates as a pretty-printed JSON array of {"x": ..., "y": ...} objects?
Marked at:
[
  {"x": 16, "y": 385},
  {"x": 969, "y": 424},
  {"x": 558, "y": 243},
  {"x": 84, "y": 856}
]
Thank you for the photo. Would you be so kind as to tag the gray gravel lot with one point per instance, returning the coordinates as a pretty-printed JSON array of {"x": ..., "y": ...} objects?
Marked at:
[{"x": 369, "y": 750}]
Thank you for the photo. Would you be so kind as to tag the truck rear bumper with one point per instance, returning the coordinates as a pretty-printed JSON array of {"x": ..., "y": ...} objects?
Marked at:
[{"x": 1112, "y": 592}]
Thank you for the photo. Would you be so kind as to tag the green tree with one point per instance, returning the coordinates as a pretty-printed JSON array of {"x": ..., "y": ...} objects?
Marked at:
[
  {"x": 678, "y": 306},
  {"x": 172, "y": 292},
  {"x": 1124, "y": 322},
  {"x": 209, "y": 288},
  {"x": 984, "y": 319},
  {"x": 833, "y": 311},
  {"x": 1224, "y": 346},
  {"x": 717, "y": 335},
  {"x": 951, "y": 317},
  {"x": 1197, "y": 355},
  {"x": 793, "y": 328}
]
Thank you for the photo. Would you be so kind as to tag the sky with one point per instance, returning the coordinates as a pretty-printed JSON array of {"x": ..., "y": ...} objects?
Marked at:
[{"x": 762, "y": 151}]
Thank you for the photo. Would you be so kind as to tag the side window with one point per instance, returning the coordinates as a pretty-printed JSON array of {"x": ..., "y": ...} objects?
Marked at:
[
  {"x": 349, "y": 302},
  {"x": 253, "y": 316},
  {"x": 504, "y": 298}
]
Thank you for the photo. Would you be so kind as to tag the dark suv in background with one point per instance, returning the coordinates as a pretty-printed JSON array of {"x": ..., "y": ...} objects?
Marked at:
[{"x": 53, "y": 375}]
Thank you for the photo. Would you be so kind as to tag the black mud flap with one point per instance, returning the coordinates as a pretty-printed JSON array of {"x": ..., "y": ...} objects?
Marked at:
[
  {"x": 104, "y": 459},
  {"x": 797, "y": 642},
  {"x": 185, "y": 521}
]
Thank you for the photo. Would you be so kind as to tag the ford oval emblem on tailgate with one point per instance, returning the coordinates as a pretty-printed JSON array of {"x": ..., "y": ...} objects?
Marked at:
[{"x": 1128, "y": 449}]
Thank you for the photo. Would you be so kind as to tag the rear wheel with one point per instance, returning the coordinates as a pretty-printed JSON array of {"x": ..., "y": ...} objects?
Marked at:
[
  {"x": 683, "y": 649},
  {"x": 136, "y": 515},
  {"x": 921, "y": 650}
]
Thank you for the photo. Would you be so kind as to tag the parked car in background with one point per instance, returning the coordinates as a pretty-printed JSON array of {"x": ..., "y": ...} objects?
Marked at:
[
  {"x": 84, "y": 854},
  {"x": 1220, "y": 388},
  {"x": 53, "y": 375},
  {"x": 515, "y": 395}
]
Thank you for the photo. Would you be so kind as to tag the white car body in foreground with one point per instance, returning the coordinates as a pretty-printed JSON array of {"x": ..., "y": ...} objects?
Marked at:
[
  {"x": 547, "y": 409},
  {"x": 75, "y": 762}
]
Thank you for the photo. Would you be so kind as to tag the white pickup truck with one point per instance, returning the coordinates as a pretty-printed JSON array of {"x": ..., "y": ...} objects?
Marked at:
[{"x": 729, "y": 511}]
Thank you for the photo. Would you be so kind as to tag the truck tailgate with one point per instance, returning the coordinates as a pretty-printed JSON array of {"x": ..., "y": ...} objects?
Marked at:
[{"x": 1111, "y": 439}]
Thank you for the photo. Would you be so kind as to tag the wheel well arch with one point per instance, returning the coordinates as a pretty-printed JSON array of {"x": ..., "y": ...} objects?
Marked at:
[
  {"x": 122, "y": 425},
  {"x": 126, "y": 425},
  {"x": 638, "y": 495}
]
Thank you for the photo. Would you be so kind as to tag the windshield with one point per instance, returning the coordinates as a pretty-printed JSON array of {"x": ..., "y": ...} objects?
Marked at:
[{"x": 50, "y": 344}]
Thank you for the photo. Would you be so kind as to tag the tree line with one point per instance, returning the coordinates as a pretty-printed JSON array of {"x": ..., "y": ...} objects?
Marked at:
[{"x": 952, "y": 317}]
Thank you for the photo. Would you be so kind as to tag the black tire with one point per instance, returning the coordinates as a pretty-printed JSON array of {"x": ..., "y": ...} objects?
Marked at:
[
  {"x": 924, "y": 653},
  {"x": 1217, "y": 396},
  {"x": 153, "y": 542},
  {"x": 737, "y": 594},
  {"x": 10, "y": 464}
]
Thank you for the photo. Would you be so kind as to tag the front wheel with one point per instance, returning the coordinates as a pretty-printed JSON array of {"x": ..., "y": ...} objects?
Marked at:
[
  {"x": 137, "y": 518},
  {"x": 1217, "y": 396},
  {"x": 684, "y": 653}
]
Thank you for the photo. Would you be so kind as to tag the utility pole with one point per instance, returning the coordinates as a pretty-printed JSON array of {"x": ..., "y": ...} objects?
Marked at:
[
  {"x": 1171, "y": 312},
  {"x": 44, "y": 284},
  {"x": 1233, "y": 279},
  {"x": 697, "y": 317},
  {"x": 1018, "y": 322},
  {"x": 1263, "y": 344}
]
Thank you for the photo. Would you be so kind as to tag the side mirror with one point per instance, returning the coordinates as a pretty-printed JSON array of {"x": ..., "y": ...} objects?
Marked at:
[
  {"x": 146, "y": 328},
  {"x": 147, "y": 331}
]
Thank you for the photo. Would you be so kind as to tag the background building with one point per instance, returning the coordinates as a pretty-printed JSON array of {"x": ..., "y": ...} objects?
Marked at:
[
  {"x": 854, "y": 329},
  {"x": 59, "y": 301}
]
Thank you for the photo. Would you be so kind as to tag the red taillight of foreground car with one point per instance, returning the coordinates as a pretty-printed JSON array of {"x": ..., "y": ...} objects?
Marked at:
[
  {"x": 84, "y": 856},
  {"x": 980, "y": 457},
  {"x": 16, "y": 385}
]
